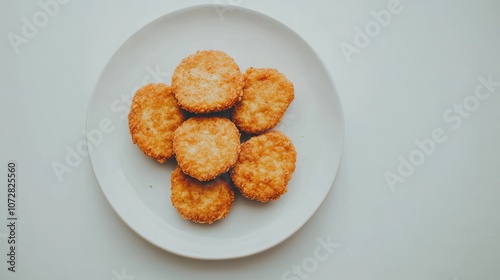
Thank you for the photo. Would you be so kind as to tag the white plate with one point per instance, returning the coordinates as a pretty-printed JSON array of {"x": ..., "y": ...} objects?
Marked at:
[{"x": 138, "y": 188}]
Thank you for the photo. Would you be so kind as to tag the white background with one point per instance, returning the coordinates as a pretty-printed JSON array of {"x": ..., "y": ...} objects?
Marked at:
[{"x": 441, "y": 223}]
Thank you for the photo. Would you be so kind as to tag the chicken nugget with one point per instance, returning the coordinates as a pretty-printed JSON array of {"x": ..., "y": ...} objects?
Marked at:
[
  {"x": 154, "y": 116},
  {"x": 266, "y": 96},
  {"x": 200, "y": 202},
  {"x": 207, "y": 81},
  {"x": 206, "y": 147},
  {"x": 265, "y": 166}
]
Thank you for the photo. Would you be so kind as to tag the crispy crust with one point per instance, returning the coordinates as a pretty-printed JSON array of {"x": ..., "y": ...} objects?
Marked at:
[
  {"x": 206, "y": 147},
  {"x": 200, "y": 202},
  {"x": 154, "y": 116},
  {"x": 266, "y": 96},
  {"x": 265, "y": 166},
  {"x": 207, "y": 81}
]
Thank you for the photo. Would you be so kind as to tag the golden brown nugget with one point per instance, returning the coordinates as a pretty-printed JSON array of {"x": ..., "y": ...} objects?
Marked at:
[
  {"x": 266, "y": 96},
  {"x": 200, "y": 202},
  {"x": 154, "y": 116},
  {"x": 265, "y": 166},
  {"x": 207, "y": 81},
  {"x": 206, "y": 147}
]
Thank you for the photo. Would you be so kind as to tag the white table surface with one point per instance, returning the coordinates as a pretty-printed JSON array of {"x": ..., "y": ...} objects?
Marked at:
[{"x": 441, "y": 223}]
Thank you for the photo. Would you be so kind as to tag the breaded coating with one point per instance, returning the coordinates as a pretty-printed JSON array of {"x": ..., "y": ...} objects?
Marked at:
[
  {"x": 266, "y": 96},
  {"x": 200, "y": 202},
  {"x": 207, "y": 81},
  {"x": 265, "y": 166},
  {"x": 154, "y": 116},
  {"x": 206, "y": 147}
]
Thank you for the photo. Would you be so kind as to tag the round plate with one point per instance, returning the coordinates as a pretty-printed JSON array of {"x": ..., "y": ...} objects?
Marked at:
[{"x": 138, "y": 188}]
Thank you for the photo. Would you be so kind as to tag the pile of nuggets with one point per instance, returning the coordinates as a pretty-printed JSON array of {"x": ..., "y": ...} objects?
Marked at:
[{"x": 187, "y": 120}]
